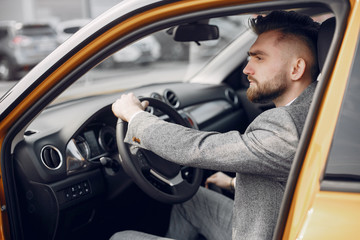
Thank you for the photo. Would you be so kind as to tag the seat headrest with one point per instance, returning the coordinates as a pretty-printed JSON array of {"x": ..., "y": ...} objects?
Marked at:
[{"x": 325, "y": 36}]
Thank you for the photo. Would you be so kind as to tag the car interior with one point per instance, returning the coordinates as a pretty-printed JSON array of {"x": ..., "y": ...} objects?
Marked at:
[{"x": 76, "y": 179}]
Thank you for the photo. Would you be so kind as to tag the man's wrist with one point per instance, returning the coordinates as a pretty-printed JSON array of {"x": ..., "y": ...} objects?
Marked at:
[{"x": 134, "y": 115}]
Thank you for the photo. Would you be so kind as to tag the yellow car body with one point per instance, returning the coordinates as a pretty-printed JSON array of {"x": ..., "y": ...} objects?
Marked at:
[{"x": 316, "y": 213}]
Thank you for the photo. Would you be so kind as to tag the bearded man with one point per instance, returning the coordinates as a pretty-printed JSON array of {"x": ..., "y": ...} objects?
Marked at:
[{"x": 282, "y": 68}]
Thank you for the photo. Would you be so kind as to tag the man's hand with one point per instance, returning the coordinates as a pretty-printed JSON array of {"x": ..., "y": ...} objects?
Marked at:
[
  {"x": 125, "y": 107},
  {"x": 220, "y": 179}
]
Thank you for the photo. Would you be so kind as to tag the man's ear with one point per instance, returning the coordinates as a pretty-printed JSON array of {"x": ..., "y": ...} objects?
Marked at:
[{"x": 298, "y": 69}]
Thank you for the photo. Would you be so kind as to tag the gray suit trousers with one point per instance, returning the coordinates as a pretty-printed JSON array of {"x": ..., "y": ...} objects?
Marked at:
[{"x": 208, "y": 213}]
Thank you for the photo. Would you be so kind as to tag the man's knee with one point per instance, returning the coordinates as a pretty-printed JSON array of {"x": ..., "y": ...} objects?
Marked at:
[
  {"x": 122, "y": 235},
  {"x": 134, "y": 235}
]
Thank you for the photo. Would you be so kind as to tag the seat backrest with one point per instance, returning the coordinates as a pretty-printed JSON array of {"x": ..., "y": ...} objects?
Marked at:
[{"x": 325, "y": 36}]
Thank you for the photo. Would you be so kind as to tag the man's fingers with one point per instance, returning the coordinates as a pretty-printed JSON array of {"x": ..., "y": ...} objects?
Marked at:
[{"x": 144, "y": 104}]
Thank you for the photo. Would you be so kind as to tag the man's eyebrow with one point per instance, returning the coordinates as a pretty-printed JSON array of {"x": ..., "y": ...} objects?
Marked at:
[{"x": 255, "y": 53}]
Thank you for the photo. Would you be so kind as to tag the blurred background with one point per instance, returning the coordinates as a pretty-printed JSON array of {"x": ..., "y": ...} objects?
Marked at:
[
  {"x": 31, "y": 29},
  {"x": 52, "y": 11}
]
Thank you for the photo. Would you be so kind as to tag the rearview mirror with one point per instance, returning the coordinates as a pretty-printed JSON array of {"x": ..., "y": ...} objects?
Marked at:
[{"x": 195, "y": 32}]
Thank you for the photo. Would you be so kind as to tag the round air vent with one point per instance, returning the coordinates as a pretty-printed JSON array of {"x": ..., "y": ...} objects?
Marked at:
[
  {"x": 171, "y": 98},
  {"x": 231, "y": 96},
  {"x": 51, "y": 157}
]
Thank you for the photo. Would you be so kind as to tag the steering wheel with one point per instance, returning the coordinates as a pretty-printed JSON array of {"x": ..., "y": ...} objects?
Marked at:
[{"x": 159, "y": 178}]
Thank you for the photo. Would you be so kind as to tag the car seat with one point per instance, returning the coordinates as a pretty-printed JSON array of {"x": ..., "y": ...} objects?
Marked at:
[{"x": 325, "y": 36}]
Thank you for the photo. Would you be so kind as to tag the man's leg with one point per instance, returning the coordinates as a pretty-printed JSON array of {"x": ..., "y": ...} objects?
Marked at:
[
  {"x": 208, "y": 213},
  {"x": 134, "y": 235}
]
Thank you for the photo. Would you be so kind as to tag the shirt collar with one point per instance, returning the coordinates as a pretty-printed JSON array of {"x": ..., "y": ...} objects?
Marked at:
[{"x": 291, "y": 102}]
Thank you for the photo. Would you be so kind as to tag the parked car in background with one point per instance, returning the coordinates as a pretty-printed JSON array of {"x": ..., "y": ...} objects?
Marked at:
[
  {"x": 24, "y": 45},
  {"x": 67, "y": 28},
  {"x": 143, "y": 51}
]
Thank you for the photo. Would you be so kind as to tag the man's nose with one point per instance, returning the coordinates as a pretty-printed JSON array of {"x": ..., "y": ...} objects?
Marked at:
[{"x": 248, "y": 70}]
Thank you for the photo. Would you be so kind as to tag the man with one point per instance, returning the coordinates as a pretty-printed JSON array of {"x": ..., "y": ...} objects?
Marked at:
[{"x": 282, "y": 68}]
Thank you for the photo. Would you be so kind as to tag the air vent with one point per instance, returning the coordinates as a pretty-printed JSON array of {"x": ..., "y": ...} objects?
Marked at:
[
  {"x": 51, "y": 157},
  {"x": 171, "y": 98},
  {"x": 231, "y": 96}
]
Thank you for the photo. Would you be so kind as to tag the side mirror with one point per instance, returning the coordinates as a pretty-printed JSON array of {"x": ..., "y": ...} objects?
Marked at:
[{"x": 195, "y": 32}]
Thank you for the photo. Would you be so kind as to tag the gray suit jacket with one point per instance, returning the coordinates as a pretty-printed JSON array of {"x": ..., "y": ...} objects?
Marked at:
[{"x": 261, "y": 158}]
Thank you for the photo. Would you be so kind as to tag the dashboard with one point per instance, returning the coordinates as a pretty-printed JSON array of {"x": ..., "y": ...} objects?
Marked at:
[
  {"x": 96, "y": 141},
  {"x": 69, "y": 156}
]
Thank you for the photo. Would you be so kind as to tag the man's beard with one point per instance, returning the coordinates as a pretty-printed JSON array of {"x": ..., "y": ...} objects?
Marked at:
[{"x": 267, "y": 91}]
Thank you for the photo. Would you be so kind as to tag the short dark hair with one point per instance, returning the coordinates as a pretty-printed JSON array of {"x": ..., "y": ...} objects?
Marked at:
[{"x": 291, "y": 23}]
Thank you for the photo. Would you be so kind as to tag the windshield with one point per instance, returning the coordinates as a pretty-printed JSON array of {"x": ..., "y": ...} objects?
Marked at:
[{"x": 154, "y": 59}]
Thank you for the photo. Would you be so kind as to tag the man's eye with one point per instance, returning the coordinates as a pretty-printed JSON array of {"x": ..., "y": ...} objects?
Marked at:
[{"x": 257, "y": 58}]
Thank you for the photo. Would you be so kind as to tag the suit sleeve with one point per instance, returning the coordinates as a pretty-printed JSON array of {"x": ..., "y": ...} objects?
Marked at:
[{"x": 266, "y": 148}]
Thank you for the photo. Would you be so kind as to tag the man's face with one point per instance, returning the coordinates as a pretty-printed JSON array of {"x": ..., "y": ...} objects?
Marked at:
[{"x": 268, "y": 68}]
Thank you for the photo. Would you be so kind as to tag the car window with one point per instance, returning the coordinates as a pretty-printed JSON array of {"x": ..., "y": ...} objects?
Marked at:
[
  {"x": 3, "y": 33},
  {"x": 344, "y": 161},
  {"x": 154, "y": 59},
  {"x": 36, "y": 30}
]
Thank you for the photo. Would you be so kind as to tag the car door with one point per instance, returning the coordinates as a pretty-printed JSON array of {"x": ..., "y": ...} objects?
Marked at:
[{"x": 326, "y": 198}]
